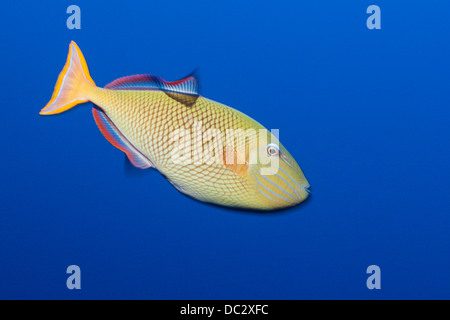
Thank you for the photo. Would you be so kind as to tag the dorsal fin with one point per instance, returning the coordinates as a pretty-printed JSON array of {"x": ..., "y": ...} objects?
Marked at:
[
  {"x": 118, "y": 140},
  {"x": 184, "y": 90}
]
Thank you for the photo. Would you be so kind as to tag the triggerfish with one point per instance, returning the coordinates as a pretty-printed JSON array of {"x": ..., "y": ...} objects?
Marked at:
[{"x": 169, "y": 126}]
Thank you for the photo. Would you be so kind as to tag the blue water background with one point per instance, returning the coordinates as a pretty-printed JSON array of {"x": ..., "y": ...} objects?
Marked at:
[{"x": 364, "y": 112}]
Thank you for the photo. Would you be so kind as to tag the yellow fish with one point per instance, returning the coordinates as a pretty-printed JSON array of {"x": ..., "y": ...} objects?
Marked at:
[{"x": 207, "y": 150}]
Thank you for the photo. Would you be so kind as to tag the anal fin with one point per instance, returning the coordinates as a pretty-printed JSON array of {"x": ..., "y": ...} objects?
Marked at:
[{"x": 118, "y": 140}]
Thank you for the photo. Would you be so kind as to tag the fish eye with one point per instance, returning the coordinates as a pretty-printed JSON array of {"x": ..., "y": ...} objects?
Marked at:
[{"x": 273, "y": 149}]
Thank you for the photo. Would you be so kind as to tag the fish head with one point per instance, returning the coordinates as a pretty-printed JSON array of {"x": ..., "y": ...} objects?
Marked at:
[{"x": 278, "y": 180}]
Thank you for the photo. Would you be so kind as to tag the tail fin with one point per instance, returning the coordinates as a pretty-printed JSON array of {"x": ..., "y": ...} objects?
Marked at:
[{"x": 73, "y": 85}]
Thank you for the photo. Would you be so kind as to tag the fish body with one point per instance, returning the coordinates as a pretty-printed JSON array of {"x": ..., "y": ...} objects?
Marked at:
[{"x": 149, "y": 119}]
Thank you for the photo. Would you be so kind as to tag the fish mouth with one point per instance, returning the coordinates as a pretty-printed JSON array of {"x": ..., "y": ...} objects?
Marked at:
[{"x": 307, "y": 189}]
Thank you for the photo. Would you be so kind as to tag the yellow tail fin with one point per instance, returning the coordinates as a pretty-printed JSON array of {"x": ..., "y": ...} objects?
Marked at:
[{"x": 73, "y": 85}]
